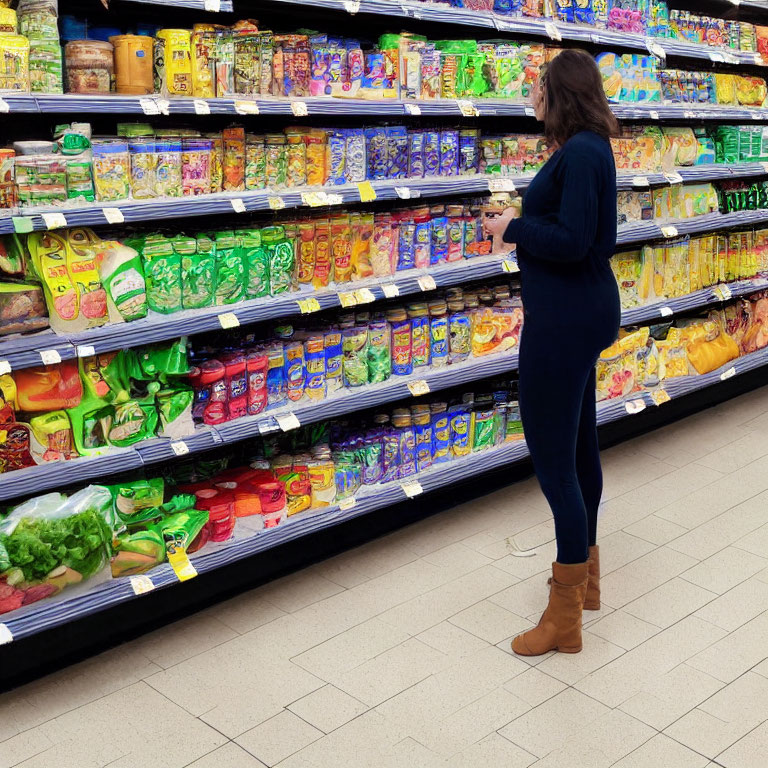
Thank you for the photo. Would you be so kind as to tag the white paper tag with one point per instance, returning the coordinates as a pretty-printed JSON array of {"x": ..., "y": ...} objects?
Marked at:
[
  {"x": 467, "y": 108},
  {"x": 4, "y": 106},
  {"x": 6, "y": 636},
  {"x": 653, "y": 114},
  {"x": 406, "y": 193},
  {"x": 5, "y": 367},
  {"x": 347, "y": 299},
  {"x": 364, "y": 296},
  {"x": 689, "y": 114},
  {"x": 179, "y": 447},
  {"x": 509, "y": 265},
  {"x": 299, "y": 108},
  {"x": 141, "y": 584},
  {"x": 265, "y": 428},
  {"x": 390, "y": 290},
  {"x": 427, "y": 283},
  {"x": 238, "y": 205},
  {"x": 213, "y": 5},
  {"x": 640, "y": 181},
  {"x": 246, "y": 107},
  {"x": 552, "y": 30},
  {"x": 54, "y": 220},
  {"x": 418, "y": 387},
  {"x": 669, "y": 231},
  {"x": 595, "y": 38},
  {"x": 352, "y": 6},
  {"x": 149, "y": 106},
  {"x": 730, "y": 373},
  {"x": 412, "y": 109},
  {"x": 202, "y": 107},
  {"x": 85, "y": 350},
  {"x": 288, "y": 421},
  {"x": 674, "y": 178},
  {"x": 655, "y": 49},
  {"x": 347, "y": 503},
  {"x": 503, "y": 184},
  {"x": 164, "y": 106},
  {"x": 530, "y": 112},
  {"x": 412, "y": 488},
  {"x": 716, "y": 56},
  {"x": 634, "y": 406},
  {"x": 50, "y": 356},
  {"x": 666, "y": 311},
  {"x": 333, "y": 199},
  {"x": 113, "y": 215},
  {"x": 228, "y": 320},
  {"x": 725, "y": 292},
  {"x": 276, "y": 203}
]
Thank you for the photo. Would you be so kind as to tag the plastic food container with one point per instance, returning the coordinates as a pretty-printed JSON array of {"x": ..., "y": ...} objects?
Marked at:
[
  {"x": 196, "y": 166},
  {"x": 22, "y": 308},
  {"x": 220, "y": 506},
  {"x": 168, "y": 178},
  {"x": 111, "y": 171},
  {"x": 14, "y": 64},
  {"x": 90, "y": 66},
  {"x": 143, "y": 169},
  {"x": 133, "y": 64}
]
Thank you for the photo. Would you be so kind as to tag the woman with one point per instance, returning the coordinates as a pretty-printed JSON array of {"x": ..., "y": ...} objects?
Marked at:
[{"x": 565, "y": 238}]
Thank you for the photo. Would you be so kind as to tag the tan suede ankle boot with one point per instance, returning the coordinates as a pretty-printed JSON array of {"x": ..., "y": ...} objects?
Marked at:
[
  {"x": 559, "y": 628},
  {"x": 592, "y": 600}
]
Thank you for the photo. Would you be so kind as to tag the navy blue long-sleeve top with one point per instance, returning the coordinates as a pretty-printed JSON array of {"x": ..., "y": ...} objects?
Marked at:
[{"x": 567, "y": 233}]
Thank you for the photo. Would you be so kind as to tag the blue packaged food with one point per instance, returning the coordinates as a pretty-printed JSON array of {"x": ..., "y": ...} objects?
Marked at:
[
  {"x": 416, "y": 154},
  {"x": 439, "y": 240},
  {"x": 441, "y": 434},
  {"x": 356, "y": 160},
  {"x": 460, "y": 421},
  {"x": 397, "y": 152},
  {"x": 406, "y": 245},
  {"x": 468, "y": 152},
  {"x": 422, "y": 244},
  {"x": 337, "y": 154},
  {"x": 449, "y": 153},
  {"x": 390, "y": 442},
  {"x": 333, "y": 361},
  {"x": 431, "y": 153},
  {"x": 378, "y": 152}
]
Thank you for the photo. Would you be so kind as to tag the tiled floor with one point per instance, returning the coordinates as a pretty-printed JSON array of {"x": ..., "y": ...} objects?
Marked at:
[{"x": 396, "y": 654}]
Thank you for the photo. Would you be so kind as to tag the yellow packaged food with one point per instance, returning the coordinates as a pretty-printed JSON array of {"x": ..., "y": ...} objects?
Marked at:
[
  {"x": 645, "y": 281},
  {"x": 174, "y": 63},
  {"x": 627, "y": 270},
  {"x": 203, "y": 50},
  {"x": 14, "y": 63},
  {"x": 725, "y": 88}
]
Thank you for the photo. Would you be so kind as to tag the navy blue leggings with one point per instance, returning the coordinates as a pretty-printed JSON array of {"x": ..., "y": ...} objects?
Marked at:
[{"x": 558, "y": 411}]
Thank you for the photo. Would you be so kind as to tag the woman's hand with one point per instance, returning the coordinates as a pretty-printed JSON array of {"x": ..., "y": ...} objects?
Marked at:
[{"x": 496, "y": 226}]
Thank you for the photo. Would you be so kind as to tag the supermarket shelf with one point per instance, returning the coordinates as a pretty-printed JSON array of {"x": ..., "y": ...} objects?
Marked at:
[
  {"x": 25, "y": 351},
  {"x": 115, "y": 104},
  {"x": 196, "y": 5},
  {"x": 134, "y": 211},
  {"x": 530, "y": 27},
  {"x": 46, "y": 615}
]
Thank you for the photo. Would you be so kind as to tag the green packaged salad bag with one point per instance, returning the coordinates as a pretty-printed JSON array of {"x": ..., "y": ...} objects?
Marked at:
[
  {"x": 158, "y": 362},
  {"x": 162, "y": 269},
  {"x": 230, "y": 269},
  {"x": 256, "y": 263},
  {"x": 122, "y": 274},
  {"x": 174, "y": 404},
  {"x": 198, "y": 270},
  {"x": 130, "y": 421},
  {"x": 136, "y": 501},
  {"x": 280, "y": 257}
]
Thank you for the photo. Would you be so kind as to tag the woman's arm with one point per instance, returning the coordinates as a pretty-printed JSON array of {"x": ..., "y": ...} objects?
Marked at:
[{"x": 569, "y": 237}]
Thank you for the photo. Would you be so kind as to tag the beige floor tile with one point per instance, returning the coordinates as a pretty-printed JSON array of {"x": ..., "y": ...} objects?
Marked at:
[
  {"x": 459, "y": 558},
  {"x": 432, "y": 607},
  {"x": 668, "y": 697},
  {"x": 525, "y": 597},
  {"x": 600, "y": 743},
  {"x": 534, "y": 686},
  {"x": 737, "y": 454},
  {"x": 669, "y": 603},
  {"x": 744, "y": 602},
  {"x": 294, "y": 592},
  {"x": 724, "y": 718},
  {"x": 588, "y": 618},
  {"x": 643, "y": 575},
  {"x": 452, "y": 640},
  {"x": 750, "y": 751},
  {"x": 755, "y": 542},
  {"x": 656, "y": 530},
  {"x": 673, "y": 485},
  {"x": 411, "y": 753},
  {"x": 623, "y": 629},
  {"x": 328, "y": 708},
  {"x": 525, "y": 567},
  {"x": 662, "y": 752},
  {"x": 493, "y": 750},
  {"x": 725, "y": 570},
  {"x": 228, "y": 756},
  {"x": 618, "y": 513},
  {"x": 620, "y": 548},
  {"x": 489, "y": 621},
  {"x": 278, "y": 738},
  {"x": 626, "y": 469},
  {"x": 570, "y": 668},
  {"x": 349, "y": 649},
  {"x": 246, "y": 612},
  {"x": 553, "y": 723},
  {"x": 23, "y": 746},
  {"x": 737, "y": 652},
  {"x": 657, "y": 445},
  {"x": 95, "y": 734}
]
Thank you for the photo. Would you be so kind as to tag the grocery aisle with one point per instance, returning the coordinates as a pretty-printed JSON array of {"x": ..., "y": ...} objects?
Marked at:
[{"x": 397, "y": 653}]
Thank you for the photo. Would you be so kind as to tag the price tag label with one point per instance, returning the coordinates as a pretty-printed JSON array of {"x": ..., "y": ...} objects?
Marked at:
[
  {"x": 213, "y": 5},
  {"x": 86, "y": 350},
  {"x": 653, "y": 114},
  {"x": 352, "y": 6},
  {"x": 725, "y": 292},
  {"x": 765, "y": 167},
  {"x": 759, "y": 60},
  {"x": 313, "y": 199},
  {"x": 50, "y": 356},
  {"x": 510, "y": 265},
  {"x": 634, "y": 406},
  {"x": 390, "y": 290},
  {"x": 179, "y": 447},
  {"x": 655, "y": 49},
  {"x": 308, "y": 305},
  {"x": 299, "y": 108},
  {"x": 412, "y": 488},
  {"x": 238, "y": 205},
  {"x": 182, "y": 567},
  {"x": 202, "y": 107},
  {"x": 228, "y": 320},
  {"x": 501, "y": 185},
  {"x": 54, "y": 220},
  {"x": 669, "y": 231},
  {"x": 149, "y": 106},
  {"x": 164, "y": 106},
  {"x": 366, "y": 191},
  {"x": 364, "y": 296},
  {"x": 689, "y": 114},
  {"x": 276, "y": 203},
  {"x": 288, "y": 421},
  {"x": 6, "y": 636},
  {"x": 333, "y": 199},
  {"x": 640, "y": 181},
  {"x": 141, "y": 585},
  {"x": 467, "y": 108},
  {"x": 674, "y": 178},
  {"x": 347, "y": 503},
  {"x": 595, "y": 38},
  {"x": 716, "y": 56},
  {"x": 427, "y": 283},
  {"x": 412, "y": 109},
  {"x": 418, "y": 387},
  {"x": 4, "y": 106},
  {"x": 5, "y": 367},
  {"x": 113, "y": 215},
  {"x": 22, "y": 224},
  {"x": 530, "y": 112},
  {"x": 551, "y": 29},
  {"x": 246, "y": 107},
  {"x": 660, "y": 396},
  {"x": 666, "y": 311},
  {"x": 265, "y": 427},
  {"x": 347, "y": 299},
  {"x": 729, "y": 374},
  {"x": 406, "y": 193}
]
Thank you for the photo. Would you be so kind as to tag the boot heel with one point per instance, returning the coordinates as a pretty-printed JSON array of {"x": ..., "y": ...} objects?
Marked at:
[{"x": 575, "y": 649}]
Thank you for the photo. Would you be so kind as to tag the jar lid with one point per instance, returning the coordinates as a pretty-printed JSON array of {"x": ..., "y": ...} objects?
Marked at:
[
  {"x": 438, "y": 307},
  {"x": 457, "y": 305},
  {"x": 396, "y": 315},
  {"x": 418, "y": 309}
]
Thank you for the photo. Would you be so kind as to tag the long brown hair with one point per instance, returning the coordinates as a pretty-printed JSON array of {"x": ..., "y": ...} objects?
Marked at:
[{"x": 574, "y": 97}]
